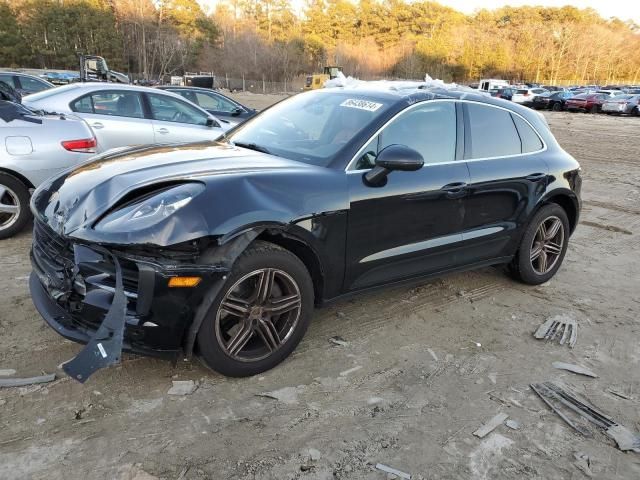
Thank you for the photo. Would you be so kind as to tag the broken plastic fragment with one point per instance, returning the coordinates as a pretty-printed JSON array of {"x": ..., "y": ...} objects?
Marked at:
[{"x": 559, "y": 325}]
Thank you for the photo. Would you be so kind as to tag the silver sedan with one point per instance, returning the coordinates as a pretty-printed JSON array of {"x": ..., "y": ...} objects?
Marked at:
[
  {"x": 33, "y": 148},
  {"x": 127, "y": 115}
]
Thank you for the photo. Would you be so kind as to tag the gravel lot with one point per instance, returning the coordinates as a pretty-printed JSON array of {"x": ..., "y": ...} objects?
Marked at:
[{"x": 424, "y": 368}]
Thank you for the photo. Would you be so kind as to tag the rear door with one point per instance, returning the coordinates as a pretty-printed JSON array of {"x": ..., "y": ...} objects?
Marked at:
[
  {"x": 116, "y": 118},
  {"x": 177, "y": 121},
  {"x": 412, "y": 225},
  {"x": 508, "y": 177}
]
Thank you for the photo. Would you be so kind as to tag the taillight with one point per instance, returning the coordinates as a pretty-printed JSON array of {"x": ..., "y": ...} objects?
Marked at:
[{"x": 86, "y": 145}]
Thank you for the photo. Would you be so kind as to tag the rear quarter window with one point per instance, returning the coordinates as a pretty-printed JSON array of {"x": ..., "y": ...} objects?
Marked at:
[{"x": 529, "y": 139}]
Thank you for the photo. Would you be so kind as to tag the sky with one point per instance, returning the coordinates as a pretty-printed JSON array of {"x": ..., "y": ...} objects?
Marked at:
[{"x": 623, "y": 9}]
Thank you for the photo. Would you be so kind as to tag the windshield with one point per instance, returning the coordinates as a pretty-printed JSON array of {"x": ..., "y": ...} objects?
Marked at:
[{"x": 310, "y": 127}]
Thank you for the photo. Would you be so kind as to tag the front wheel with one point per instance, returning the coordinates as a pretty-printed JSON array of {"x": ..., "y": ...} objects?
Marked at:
[
  {"x": 261, "y": 313},
  {"x": 556, "y": 107},
  {"x": 594, "y": 109},
  {"x": 543, "y": 246}
]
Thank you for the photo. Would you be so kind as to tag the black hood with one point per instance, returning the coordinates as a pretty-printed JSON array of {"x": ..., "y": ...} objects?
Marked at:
[{"x": 242, "y": 188}]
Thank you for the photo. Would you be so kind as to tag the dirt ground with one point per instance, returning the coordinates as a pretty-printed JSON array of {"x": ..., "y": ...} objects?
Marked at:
[{"x": 424, "y": 368}]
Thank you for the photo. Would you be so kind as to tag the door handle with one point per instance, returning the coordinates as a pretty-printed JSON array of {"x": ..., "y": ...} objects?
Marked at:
[
  {"x": 536, "y": 177},
  {"x": 456, "y": 187},
  {"x": 163, "y": 130},
  {"x": 97, "y": 125}
]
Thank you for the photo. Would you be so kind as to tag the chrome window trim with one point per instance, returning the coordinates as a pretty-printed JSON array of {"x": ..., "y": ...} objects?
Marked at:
[{"x": 419, "y": 104}]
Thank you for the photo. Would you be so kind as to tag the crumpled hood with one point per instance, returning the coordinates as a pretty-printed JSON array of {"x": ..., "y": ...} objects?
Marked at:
[{"x": 72, "y": 202}]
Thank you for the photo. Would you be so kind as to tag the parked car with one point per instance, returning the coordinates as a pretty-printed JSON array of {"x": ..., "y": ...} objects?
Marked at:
[
  {"x": 628, "y": 104},
  {"x": 215, "y": 103},
  {"x": 611, "y": 93},
  {"x": 488, "y": 84},
  {"x": 556, "y": 101},
  {"x": 24, "y": 83},
  {"x": 34, "y": 147},
  {"x": 506, "y": 93},
  {"x": 586, "y": 102},
  {"x": 541, "y": 101},
  {"x": 524, "y": 96},
  {"x": 125, "y": 115},
  {"x": 60, "y": 78},
  {"x": 554, "y": 88},
  {"x": 331, "y": 192}
]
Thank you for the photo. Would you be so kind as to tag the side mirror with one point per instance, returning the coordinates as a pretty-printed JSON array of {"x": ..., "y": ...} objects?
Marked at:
[
  {"x": 212, "y": 123},
  {"x": 393, "y": 157},
  {"x": 237, "y": 111}
]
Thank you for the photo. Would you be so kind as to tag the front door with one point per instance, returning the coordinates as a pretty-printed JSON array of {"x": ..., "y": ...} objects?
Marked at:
[
  {"x": 176, "y": 121},
  {"x": 411, "y": 225}
]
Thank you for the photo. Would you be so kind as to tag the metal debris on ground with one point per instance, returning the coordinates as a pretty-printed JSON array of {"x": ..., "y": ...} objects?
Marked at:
[
  {"x": 558, "y": 399},
  {"x": 620, "y": 394},
  {"x": 338, "y": 341},
  {"x": 574, "y": 368},
  {"x": 21, "y": 382},
  {"x": 385, "y": 468},
  {"x": 182, "y": 387},
  {"x": 491, "y": 425},
  {"x": 583, "y": 463},
  {"x": 512, "y": 424},
  {"x": 562, "y": 325}
]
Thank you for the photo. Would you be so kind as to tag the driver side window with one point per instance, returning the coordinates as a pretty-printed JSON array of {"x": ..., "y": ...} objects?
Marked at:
[
  {"x": 429, "y": 129},
  {"x": 168, "y": 109}
]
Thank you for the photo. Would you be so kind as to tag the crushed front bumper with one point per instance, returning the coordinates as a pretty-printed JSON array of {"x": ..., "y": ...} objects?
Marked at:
[{"x": 113, "y": 301}]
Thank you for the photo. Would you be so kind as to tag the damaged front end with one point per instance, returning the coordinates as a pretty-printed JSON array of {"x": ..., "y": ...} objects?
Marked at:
[{"x": 121, "y": 298}]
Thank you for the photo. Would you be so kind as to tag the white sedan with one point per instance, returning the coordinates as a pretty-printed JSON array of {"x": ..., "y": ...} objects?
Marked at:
[{"x": 128, "y": 115}]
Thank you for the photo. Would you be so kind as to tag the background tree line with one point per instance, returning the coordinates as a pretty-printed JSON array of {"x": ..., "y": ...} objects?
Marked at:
[{"x": 371, "y": 38}]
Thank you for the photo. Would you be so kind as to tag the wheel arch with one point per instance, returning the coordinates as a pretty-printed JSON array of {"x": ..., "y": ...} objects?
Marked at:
[
  {"x": 18, "y": 176},
  {"x": 569, "y": 205},
  {"x": 304, "y": 251}
]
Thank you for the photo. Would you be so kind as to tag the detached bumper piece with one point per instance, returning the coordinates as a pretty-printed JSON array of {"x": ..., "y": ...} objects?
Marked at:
[{"x": 105, "y": 348}]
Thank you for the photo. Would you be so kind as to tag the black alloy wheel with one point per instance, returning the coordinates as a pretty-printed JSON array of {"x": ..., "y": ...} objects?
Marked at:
[
  {"x": 261, "y": 313},
  {"x": 543, "y": 246}
]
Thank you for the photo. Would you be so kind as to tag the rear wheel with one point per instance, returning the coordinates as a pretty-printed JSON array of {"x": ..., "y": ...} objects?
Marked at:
[
  {"x": 556, "y": 107},
  {"x": 14, "y": 205},
  {"x": 543, "y": 246},
  {"x": 261, "y": 313},
  {"x": 594, "y": 109}
]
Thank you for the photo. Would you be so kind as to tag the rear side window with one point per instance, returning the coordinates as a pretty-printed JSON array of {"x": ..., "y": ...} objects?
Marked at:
[
  {"x": 491, "y": 133},
  {"x": 528, "y": 137},
  {"x": 114, "y": 103}
]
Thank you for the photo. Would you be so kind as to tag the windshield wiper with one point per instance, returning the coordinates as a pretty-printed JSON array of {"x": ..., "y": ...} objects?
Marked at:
[{"x": 252, "y": 146}]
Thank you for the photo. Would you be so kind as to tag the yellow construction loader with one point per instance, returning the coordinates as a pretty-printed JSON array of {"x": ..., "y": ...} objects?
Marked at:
[{"x": 317, "y": 80}]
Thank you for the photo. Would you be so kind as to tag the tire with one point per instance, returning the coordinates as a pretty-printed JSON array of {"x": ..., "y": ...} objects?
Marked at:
[
  {"x": 527, "y": 269},
  {"x": 556, "y": 107},
  {"x": 636, "y": 112},
  {"x": 221, "y": 327},
  {"x": 594, "y": 109},
  {"x": 14, "y": 205}
]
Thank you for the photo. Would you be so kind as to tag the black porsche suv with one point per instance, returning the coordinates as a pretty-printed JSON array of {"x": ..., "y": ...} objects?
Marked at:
[{"x": 223, "y": 249}]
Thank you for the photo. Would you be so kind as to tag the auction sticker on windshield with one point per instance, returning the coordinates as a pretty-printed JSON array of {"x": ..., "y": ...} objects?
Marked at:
[{"x": 361, "y": 104}]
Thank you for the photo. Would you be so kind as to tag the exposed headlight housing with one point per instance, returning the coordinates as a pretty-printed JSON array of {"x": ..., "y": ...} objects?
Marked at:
[{"x": 151, "y": 210}]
